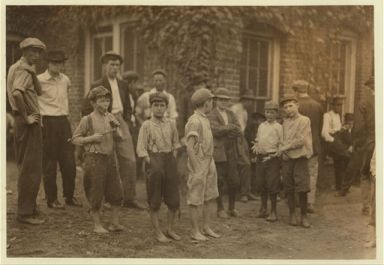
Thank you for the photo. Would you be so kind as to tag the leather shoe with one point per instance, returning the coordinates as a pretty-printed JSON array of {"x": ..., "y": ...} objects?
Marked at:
[
  {"x": 134, "y": 205},
  {"x": 73, "y": 202},
  {"x": 222, "y": 214},
  {"x": 56, "y": 205},
  {"x": 31, "y": 220}
]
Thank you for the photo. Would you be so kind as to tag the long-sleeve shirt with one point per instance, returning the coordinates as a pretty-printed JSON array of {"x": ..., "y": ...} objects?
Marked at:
[
  {"x": 297, "y": 137},
  {"x": 143, "y": 107},
  {"x": 269, "y": 137},
  {"x": 157, "y": 136},
  {"x": 331, "y": 125},
  {"x": 53, "y": 100},
  {"x": 241, "y": 115}
]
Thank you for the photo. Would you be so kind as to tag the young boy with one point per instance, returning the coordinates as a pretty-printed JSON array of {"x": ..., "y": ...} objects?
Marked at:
[
  {"x": 96, "y": 133},
  {"x": 268, "y": 141},
  {"x": 202, "y": 177},
  {"x": 296, "y": 150},
  {"x": 157, "y": 142}
]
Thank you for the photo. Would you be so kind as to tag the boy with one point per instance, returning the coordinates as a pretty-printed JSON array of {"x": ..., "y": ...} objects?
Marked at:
[
  {"x": 157, "y": 141},
  {"x": 202, "y": 177},
  {"x": 226, "y": 132},
  {"x": 268, "y": 141},
  {"x": 296, "y": 150},
  {"x": 96, "y": 133}
]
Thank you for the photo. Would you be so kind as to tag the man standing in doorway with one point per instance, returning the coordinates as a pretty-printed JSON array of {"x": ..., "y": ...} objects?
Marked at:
[
  {"x": 53, "y": 103},
  {"x": 23, "y": 89},
  {"x": 122, "y": 109}
]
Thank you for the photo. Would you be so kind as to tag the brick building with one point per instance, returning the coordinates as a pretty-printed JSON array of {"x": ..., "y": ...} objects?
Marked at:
[{"x": 261, "y": 56}]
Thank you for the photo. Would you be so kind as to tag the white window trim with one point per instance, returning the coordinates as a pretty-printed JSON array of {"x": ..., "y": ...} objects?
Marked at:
[
  {"x": 274, "y": 78},
  {"x": 350, "y": 67}
]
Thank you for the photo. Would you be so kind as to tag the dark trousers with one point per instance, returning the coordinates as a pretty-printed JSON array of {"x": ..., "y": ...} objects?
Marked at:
[
  {"x": 58, "y": 150},
  {"x": 227, "y": 174},
  {"x": 28, "y": 150}
]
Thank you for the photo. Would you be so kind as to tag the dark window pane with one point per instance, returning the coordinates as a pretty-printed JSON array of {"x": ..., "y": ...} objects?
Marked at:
[
  {"x": 129, "y": 48},
  {"x": 108, "y": 44},
  {"x": 254, "y": 53},
  {"x": 263, "y": 83},
  {"x": 264, "y": 54},
  {"x": 97, "y": 52}
]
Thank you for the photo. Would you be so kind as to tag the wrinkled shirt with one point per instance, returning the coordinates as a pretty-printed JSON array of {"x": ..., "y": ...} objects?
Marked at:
[
  {"x": 157, "y": 136},
  {"x": 269, "y": 137},
  {"x": 297, "y": 135},
  {"x": 241, "y": 115},
  {"x": 331, "y": 125},
  {"x": 117, "y": 105},
  {"x": 20, "y": 78},
  {"x": 53, "y": 100}
]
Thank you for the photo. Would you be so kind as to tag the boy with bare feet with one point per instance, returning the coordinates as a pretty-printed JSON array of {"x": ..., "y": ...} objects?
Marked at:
[
  {"x": 202, "y": 188},
  {"x": 157, "y": 143},
  {"x": 96, "y": 132},
  {"x": 269, "y": 138}
]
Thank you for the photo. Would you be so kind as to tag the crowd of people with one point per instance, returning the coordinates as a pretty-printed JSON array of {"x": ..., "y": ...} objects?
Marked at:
[{"x": 231, "y": 149}]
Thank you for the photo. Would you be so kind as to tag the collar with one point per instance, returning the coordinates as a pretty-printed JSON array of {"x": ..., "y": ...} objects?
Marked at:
[
  {"x": 158, "y": 121},
  {"x": 200, "y": 113},
  {"x": 294, "y": 117},
  {"x": 47, "y": 76},
  {"x": 24, "y": 65}
]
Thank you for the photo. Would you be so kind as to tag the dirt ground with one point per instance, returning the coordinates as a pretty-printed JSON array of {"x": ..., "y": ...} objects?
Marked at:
[{"x": 338, "y": 231}]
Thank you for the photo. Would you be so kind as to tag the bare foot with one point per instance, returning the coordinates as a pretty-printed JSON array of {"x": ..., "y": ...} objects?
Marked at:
[
  {"x": 272, "y": 217},
  {"x": 199, "y": 237},
  {"x": 116, "y": 227},
  {"x": 173, "y": 235},
  {"x": 162, "y": 238},
  {"x": 208, "y": 231},
  {"x": 100, "y": 230}
]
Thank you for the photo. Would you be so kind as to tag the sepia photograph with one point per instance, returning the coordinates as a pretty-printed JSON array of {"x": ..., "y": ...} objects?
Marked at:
[{"x": 208, "y": 133}]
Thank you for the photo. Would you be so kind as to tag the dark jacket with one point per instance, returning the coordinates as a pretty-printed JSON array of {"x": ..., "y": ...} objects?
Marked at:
[
  {"x": 224, "y": 139},
  {"x": 364, "y": 120},
  {"x": 124, "y": 95}
]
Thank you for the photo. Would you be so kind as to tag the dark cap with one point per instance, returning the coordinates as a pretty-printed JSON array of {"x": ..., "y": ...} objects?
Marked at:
[
  {"x": 248, "y": 94},
  {"x": 287, "y": 98},
  {"x": 159, "y": 71},
  {"x": 97, "y": 92},
  {"x": 158, "y": 96},
  {"x": 222, "y": 93},
  {"x": 271, "y": 105},
  {"x": 300, "y": 86},
  {"x": 201, "y": 95},
  {"x": 370, "y": 81},
  {"x": 337, "y": 100},
  {"x": 110, "y": 55},
  {"x": 130, "y": 76},
  {"x": 348, "y": 117},
  {"x": 56, "y": 56},
  {"x": 32, "y": 42},
  {"x": 258, "y": 115},
  {"x": 199, "y": 78}
]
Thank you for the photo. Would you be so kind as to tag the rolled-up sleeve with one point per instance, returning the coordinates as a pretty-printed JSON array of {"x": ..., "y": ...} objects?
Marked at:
[
  {"x": 142, "y": 141},
  {"x": 22, "y": 81}
]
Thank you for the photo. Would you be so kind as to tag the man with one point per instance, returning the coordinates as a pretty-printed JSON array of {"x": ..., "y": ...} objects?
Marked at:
[
  {"x": 314, "y": 111},
  {"x": 53, "y": 103},
  {"x": 160, "y": 84},
  {"x": 23, "y": 89},
  {"x": 121, "y": 107},
  {"x": 242, "y": 110}
]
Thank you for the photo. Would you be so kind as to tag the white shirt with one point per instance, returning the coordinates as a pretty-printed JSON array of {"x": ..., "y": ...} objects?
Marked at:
[
  {"x": 331, "y": 125},
  {"x": 269, "y": 137},
  {"x": 224, "y": 115},
  {"x": 241, "y": 115},
  {"x": 117, "y": 105},
  {"x": 53, "y": 100}
]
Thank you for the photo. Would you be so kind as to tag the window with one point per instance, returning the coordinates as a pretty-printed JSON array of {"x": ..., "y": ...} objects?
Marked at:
[
  {"x": 101, "y": 43},
  {"x": 259, "y": 68},
  {"x": 13, "y": 51},
  {"x": 342, "y": 69},
  {"x": 131, "y": 49}
]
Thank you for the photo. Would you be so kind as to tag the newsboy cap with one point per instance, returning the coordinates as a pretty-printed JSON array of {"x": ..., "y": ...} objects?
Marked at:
[
  {"x": 158, "y": 96},
  {"x": 201, "y": 95},
  {"x": 130, "y": 75},
  {"x": 271, "y": 105},
  {"x": 248, "y": 94},
  {"x": 222, "y": 93},
  {"x": 97, "y": 92},
  {"x": 199, "y": 78},
  {"x": 286, "y": 98},
  {"x": 159, "y": 71},
  {"x": 300, "y": 86},
  {"x": 110, "y": 55},
  {"x": 32, "y": 42},
  {"x": 257, "y": 115},
  {"x": 348, "y": 117},
  {"x": 55, "y": 56}
]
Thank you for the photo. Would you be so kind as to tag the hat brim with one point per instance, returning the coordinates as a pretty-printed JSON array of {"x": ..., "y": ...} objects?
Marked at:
[
  {"x": 222, "y": 97},
  {"x": 287, "y": 100},
  {"x": 107, "y": 57}
]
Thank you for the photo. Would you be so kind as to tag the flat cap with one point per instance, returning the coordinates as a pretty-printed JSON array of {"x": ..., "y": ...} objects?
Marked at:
[
  {"x": 222, "y": 93},
  {"x": 271, "y": 105},
  {"x": 199, "y": 78},
  {"x": 257, "y": 115},
  {"x": 248, "y": 94},
  {"x": 32, "y": 42},
  {"x": 337, "y": 100},
  {"x": 97, "y": 92},
  {"x": 159, "y": 71},
  {"x": 158, "y": 96},
  {"x": 201, "y": 95},
  {"x": 110, "y": 55},
  {"x": 300, "y": 86},
  {"x": 286, "y": 98},
  {"x": 130, "y": 75},
  {"x": 55, "y": 56},
  {"x": 348, "y": 117},
  {"x": 370, "y": 81}
]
